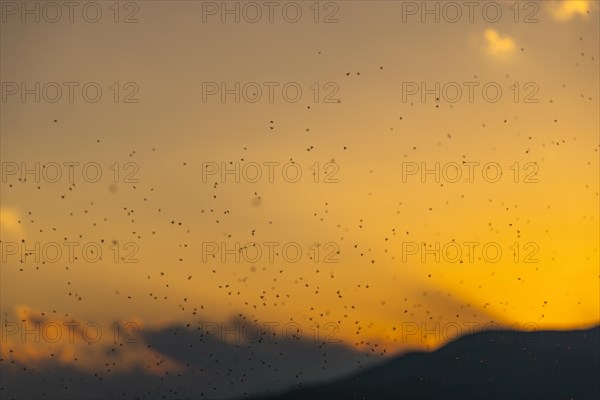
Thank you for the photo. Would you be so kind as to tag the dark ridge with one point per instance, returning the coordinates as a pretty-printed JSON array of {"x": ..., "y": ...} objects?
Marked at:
[{"x": 490, "y": 365}]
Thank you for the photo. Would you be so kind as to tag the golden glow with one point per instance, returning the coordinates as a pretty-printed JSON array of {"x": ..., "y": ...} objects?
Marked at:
[
  {"x": 9, "y": 224},
  {"x": 372, "y": 294},
  {"x": 498, "y": 44},
  {"x": 568, "y": 9}
]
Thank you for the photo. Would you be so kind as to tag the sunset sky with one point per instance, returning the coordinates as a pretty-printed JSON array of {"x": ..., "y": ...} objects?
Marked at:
[{"x": 367, "y": 122}]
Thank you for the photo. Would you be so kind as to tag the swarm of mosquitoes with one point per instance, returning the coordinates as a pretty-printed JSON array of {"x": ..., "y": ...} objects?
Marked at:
[{"x": 215, "y": 367}]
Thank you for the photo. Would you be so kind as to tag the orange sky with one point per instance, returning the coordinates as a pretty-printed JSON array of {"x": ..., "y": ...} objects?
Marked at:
[{"x": 370, "y": 214}]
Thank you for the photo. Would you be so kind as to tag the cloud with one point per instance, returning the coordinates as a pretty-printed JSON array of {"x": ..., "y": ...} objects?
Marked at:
[
  {"x": 225, "y": 359},
  {"x": 33, "y": 338},
  {"x": 497, "y": 44},
  {"x": 568, "y": 9}
]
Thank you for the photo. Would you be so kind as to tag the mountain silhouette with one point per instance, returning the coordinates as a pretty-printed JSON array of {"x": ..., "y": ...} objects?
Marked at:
[
  {"x": 491, "y": 364},
  {"x": 209, "y": 367}
]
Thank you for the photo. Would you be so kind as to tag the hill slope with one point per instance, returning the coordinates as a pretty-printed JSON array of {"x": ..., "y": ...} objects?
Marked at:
[{"x": 536, "y": 365}]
